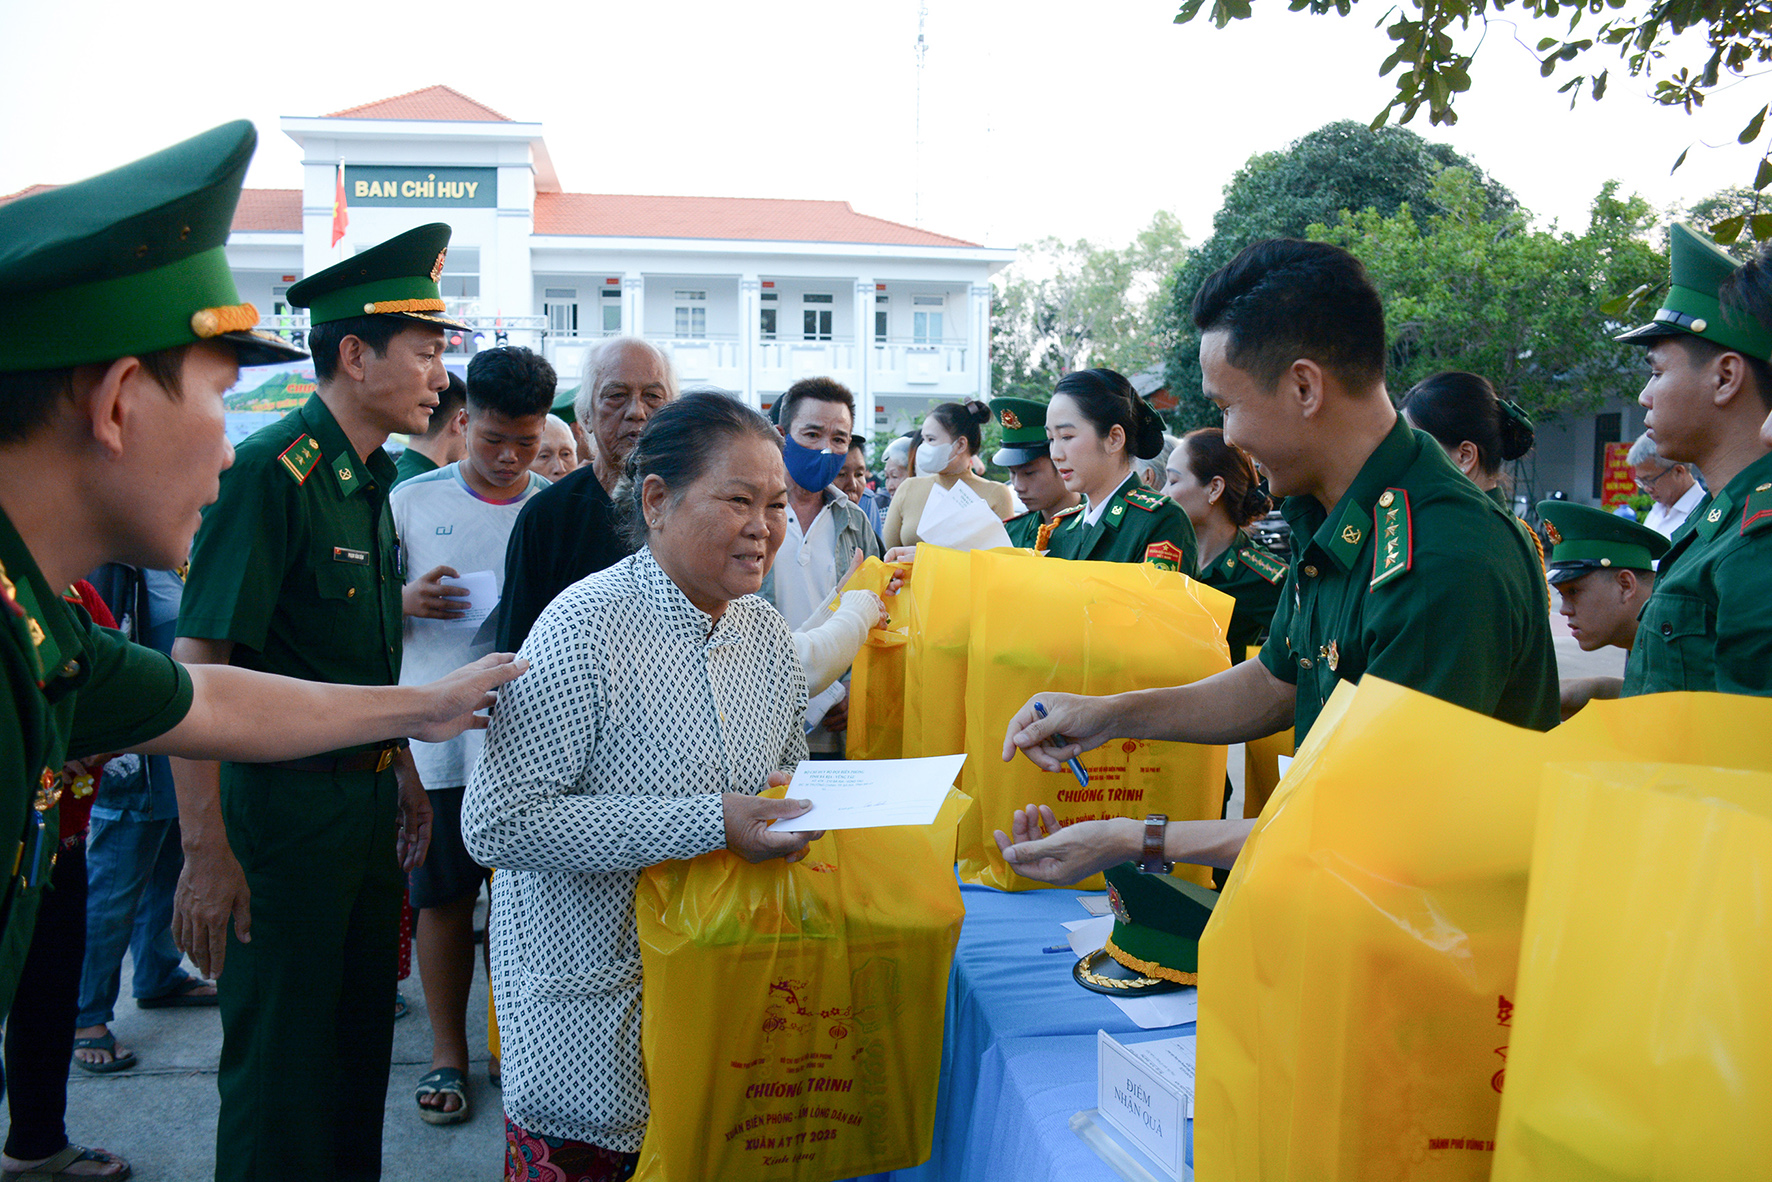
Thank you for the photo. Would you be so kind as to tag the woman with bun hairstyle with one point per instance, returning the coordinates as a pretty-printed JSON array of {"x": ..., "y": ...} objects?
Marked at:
[
  {"x": 1097, "y": 424},
  {"x": 1477, "y": 430},
  {"x": 1215, "y": 484},
  {"x": 950, "y": 439}
]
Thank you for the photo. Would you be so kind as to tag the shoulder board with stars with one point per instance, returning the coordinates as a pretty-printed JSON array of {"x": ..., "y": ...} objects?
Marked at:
[
  {"x": 1393, "y": 552},
  {"x": 1268, "y": 566},
  {"x": 299, "y": 458},
  {"x": 1145, "y": 499},
  {"x": 1756, "y": 514}
]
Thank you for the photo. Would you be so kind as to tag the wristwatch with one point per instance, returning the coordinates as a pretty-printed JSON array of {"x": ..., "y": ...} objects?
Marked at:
[{"x": 1151, "y": 860}]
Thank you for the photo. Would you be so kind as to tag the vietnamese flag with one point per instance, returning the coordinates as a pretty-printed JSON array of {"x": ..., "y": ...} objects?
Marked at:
[{"x": 340, "y": 217}]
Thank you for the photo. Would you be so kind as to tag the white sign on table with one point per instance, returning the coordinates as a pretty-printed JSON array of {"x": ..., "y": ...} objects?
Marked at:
[
  {"x": 1146, "y": 1092},
  {"x": 870, "y": 793}
]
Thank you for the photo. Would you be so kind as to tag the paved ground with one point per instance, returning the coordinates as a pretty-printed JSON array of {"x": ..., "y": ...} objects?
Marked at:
[{"x": 161, "y": 1115}]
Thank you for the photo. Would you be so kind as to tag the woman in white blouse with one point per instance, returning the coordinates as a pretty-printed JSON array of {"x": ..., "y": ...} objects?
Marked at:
[{"x": 662, "y": 694}]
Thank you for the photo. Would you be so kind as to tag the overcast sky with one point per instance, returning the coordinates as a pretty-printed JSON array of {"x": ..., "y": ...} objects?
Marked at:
[{"x": 1038, "y": 117}]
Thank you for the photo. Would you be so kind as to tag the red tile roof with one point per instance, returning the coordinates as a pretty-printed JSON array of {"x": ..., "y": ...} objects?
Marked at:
[
  {"x": 757, "y": 218},
  {"x": 433, "y": 102},
  {"x": 268, "y": 209}
]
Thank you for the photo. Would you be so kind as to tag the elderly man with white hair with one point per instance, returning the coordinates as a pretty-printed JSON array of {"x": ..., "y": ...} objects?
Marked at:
[
  {"x": 1674, "y": 489},
  {"x": 571, "y": 529}
]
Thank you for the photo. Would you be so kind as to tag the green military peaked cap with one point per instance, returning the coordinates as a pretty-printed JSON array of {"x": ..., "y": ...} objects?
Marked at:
[
  {"x": 1024, "y": 431},
  {"x": 131, "y": 261},
  {"x": 393, "y": 278},
  {"x": 1585, "y": 539},
  {"x": 1158, "y": 920},
  {"x": 565, "y": 405},
  {"x": 1691, "y": 305}
]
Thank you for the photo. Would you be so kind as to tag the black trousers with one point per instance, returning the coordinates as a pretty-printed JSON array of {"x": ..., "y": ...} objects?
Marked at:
[{"x": 40, "y": 1028}]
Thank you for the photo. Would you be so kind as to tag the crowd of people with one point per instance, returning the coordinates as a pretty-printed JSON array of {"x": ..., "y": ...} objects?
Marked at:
[{"x": 274, "y": 711}]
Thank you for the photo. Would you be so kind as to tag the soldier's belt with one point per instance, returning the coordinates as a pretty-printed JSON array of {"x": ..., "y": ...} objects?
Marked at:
[{"x": 360, "y": 761}]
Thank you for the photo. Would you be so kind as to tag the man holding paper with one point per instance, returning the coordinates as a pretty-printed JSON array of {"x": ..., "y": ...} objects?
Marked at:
[{"x": 454, "y": 524}]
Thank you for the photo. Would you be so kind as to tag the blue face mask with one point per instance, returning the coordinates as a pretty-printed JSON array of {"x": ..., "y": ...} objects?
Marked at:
[{"x": 811, "y": 470}]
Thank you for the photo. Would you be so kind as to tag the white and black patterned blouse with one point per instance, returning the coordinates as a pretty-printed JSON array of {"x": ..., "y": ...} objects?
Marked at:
[{"x": 607, "y": 756}]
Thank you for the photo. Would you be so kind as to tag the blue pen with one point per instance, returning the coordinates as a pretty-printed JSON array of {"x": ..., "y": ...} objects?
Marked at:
[{"x": 1059, "y": 741}]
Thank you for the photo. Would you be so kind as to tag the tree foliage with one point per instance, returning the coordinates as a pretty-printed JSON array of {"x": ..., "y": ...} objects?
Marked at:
[
  {"x": 1063, "y": 306},
  {"x": 1340, "y": 166},
  {"x": 1436, "y": 42}
]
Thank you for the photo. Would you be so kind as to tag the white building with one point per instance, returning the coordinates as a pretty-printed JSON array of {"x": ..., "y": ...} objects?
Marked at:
[{"x": 749, "y": 294}]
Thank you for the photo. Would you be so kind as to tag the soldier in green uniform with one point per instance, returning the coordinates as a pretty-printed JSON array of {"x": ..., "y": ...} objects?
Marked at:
[
  {"x": 296, "y": 570},
  {"x": 1096, "y": 423},
  {"x": 1401, "y": 567},
  {"x": 1708, "y": 624},
  {"x": 1603, "y": 567},
  {"x": 1216, "y": 486},
  {"x": 1026, "y": 453},
  {"x": 123, "y": 331}
]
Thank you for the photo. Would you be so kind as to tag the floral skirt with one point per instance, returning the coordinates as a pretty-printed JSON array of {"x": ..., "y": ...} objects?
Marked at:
[{"x": 532, "y": 1157}]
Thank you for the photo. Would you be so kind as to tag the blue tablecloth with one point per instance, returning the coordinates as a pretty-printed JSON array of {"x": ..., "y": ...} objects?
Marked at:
[{"x": 1018, "y": 1053}]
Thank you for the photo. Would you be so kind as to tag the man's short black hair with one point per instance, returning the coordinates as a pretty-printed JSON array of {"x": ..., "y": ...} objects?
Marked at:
[
  {"x": 374, "y": 331},
  {"x": 1702, "y": 350},
  {"x": 28, "y": 398},
  {"x": 449, "y": 400},
  {"x": 1283, "y": 298},
  {"x": 512, "y": 381},
  {"x": 818, "y": 390},
  {"x": 860, "y": 444}
]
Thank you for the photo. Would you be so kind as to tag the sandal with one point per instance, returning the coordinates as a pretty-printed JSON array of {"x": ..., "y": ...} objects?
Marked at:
[
  {"x": 106, "y": 1042},
  {"x": 55, "y": 1168},
  {"x": 184, "y": 997},
  {"x": 443, "y": 1081}
]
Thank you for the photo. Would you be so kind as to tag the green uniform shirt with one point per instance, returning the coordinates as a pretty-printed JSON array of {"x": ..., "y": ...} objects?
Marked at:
[
  {"x": 1254, "y": 576},
  {"x": 76, "y": 690},
  {"x": 413, "y": 462},
  {"x": 1024, "y": 530},
  {"x": 1138, "y": 526},
  {"x": 1417, "y": 577},
  {"x": 1708, "y": 623},
  {"x": 296, "y": 563}
]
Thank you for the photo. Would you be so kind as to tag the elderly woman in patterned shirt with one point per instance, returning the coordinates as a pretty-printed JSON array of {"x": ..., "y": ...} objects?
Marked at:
[{"x": 662, "y": 694}]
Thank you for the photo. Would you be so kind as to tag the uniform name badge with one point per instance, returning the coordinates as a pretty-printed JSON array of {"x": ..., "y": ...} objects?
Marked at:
[{"x": 354, "y": 557}]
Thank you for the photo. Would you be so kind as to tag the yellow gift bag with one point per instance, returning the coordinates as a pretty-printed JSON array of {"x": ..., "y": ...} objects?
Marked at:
[
  {"x": 1357, "y": 980},
  {"x": 1642, "y": 1038},
  {"x": 1090, "y": 628},
  {"x": 937, "y": 606},
  {"x": 792, "y": 1015},
  {"x": 876, "y": 683}
]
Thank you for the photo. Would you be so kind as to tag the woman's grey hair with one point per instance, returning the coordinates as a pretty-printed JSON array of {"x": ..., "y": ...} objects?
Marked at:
[
  {"x": 1158, "y": 465},
  {"x": 680, "y": 443},
  {"x": 898, "y": 451},
  {"x": 601, "y": 360}
]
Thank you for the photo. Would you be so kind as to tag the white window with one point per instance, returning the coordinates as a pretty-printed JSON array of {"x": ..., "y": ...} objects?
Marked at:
[
  {"x": 692, "y": 314},
  {"x": 880, "y": 320},
  {"x": 815, "y": 322},
  {"x": 612, "y": 311},
  {"x": 926, "y": 327},
  {"x": 560, "y": 304}
]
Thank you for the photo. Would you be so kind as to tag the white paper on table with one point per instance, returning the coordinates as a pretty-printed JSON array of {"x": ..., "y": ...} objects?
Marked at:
[
  {"x": 959, "y": 519},
  {"x": 482, "y": 588},
  {"x": 1095, "y": 904},
  {"x": 1161, "y": 1009},
  {"x": 870, "y": 793},
  {"x": 1090, "y": 935},
  {"x": 1171, "y": 1058}
]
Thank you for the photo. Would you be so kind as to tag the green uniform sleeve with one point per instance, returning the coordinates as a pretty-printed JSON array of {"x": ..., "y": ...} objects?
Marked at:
[
  {"x": 1276, "y": 654},
  {"x": 133, "y": 695},
  {"x": 1744, "y": 620},
  {"x": 239, "y": 558}
]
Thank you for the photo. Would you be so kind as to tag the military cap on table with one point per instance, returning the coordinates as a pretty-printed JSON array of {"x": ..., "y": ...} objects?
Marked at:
[
  {"x": 1024, "y": 431},
  {"x": 131, "y": 262},
  {"x": 1585, "y": 539},
  {"x": 393, "y": 278},
  {"x": 1155, "y": 945},
  {"x": 1691, "y": 305}
]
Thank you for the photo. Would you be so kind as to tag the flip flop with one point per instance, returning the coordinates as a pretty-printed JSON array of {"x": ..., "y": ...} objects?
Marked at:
[
  {"x": 106, "y": 1042},
  {"x": 55, "y": 1169},
  {"x": 184, "y": 997},
  {"x": 444, "y": 1081}
]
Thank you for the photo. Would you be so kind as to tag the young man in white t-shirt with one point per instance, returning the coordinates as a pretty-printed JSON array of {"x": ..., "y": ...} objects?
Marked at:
[{"x": 453, "y": 525}]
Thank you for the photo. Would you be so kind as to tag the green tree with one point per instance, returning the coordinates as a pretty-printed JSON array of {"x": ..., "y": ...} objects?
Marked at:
[
  {"x": 1340, "y": 166},
  {"x": 1521, "y": 307},
  {"x": 1436, "y": 41},
  {"x": 1070, "y": 305}
]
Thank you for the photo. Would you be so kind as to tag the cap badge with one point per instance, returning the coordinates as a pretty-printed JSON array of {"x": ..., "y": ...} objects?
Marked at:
[
  {"x": 437, "y": 267},
  {"x": 1553, "y": 533},
  {"x": 1010, "y": 421},
  {"x": 1118, "y": 905}
]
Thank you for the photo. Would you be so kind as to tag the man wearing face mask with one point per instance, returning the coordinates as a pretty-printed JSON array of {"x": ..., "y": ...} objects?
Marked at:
[{"x": 824, "y": 530}]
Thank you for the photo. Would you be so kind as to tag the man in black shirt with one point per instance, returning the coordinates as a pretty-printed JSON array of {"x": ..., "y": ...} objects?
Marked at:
[{"x": 573, "y": 529}]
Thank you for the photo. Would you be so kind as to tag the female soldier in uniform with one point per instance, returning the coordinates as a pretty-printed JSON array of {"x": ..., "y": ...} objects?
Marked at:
[
  {"x": 1476, "y": 429},
  {"x": 1214, "y": 483},
  {"x": 1097, "y": 423}
]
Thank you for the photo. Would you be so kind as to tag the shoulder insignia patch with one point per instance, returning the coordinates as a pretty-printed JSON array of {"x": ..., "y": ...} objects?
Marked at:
[
  {"x": 299, "y": 458},
  {"x": 1394, "y": 552},
  {"x": 1164, "y": 555},
  {"x": 1146, "y": 499},
  {"x": 1268, "y": 566},
  {"x": 9, "y": 593},
  {"x": 1756, "y": 514}
]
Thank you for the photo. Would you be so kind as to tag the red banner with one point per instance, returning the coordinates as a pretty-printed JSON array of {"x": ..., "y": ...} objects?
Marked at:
[{"x": 1618, "y": 483}]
